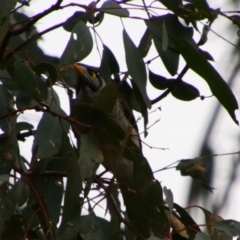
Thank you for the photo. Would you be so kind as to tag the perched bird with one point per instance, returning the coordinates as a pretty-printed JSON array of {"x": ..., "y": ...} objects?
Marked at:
[{"x": 90, "y": 84}]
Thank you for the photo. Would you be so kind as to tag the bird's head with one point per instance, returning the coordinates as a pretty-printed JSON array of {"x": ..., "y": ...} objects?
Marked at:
[{"x": 89, "y": 83}]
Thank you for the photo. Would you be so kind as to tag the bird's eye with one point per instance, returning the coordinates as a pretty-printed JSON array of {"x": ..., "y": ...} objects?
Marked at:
[{"x": 92, "y": 74}]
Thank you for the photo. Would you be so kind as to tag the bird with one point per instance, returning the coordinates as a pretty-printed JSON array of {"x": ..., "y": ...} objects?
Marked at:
[{"x": 89, "y": 86}]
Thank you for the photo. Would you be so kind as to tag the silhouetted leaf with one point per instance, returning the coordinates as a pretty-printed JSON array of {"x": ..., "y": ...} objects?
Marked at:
[
  {"x": 197, "y": 62},
  {"x": 159, "y": 81},
  {"x": 136, "y": 67},
  {"x": 164, "y": 37},
  {"x": 109, "y": 64},
  {"x": 79, "y": 45},
  {"x": 145, "y": 43},
  {"x": 114, "y": 8},
  {"x": 170, "y": 56},
  {"x": 184, "y": 91}
]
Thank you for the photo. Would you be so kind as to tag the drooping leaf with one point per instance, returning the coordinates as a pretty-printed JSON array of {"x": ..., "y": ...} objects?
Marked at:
[
  {"x": 145, "y": 43},
  {"x": 114, "y": 8},
  {"x": 109, "y": 64},
  {"x": 159, "y": 81},
  {"x": 170, "y": 56},
  {"x": 136, "y": 67},
  {"x": 220, "y": 89},
  {"x": 49, "y": 134},
  {"x": 79, "y": 45},
  {"x": 184, "y": 91},
  {"x": 72, "y": 202},
  {"x": 164, "y": 37}
]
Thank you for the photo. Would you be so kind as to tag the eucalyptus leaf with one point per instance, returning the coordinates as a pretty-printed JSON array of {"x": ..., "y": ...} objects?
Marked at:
[
  {"x": 114, "y": 8},
  {"x": 79, "y": 45}
]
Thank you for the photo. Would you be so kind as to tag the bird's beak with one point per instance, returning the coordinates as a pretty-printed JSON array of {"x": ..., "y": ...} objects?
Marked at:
[{"x": 79, "y": 69}]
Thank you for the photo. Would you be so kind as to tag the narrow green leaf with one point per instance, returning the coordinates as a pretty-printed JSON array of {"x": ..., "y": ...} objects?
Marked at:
[
  {"x": 164, "y": 37},
  {"x": 198, "y": 63},
  {"x": 145, "y": 43},
  {"x": 170, "y": 56},
  {"x": 52, "y": 190},
  {"x": 79, "y": 45},
  {"x": 136, "y": 67},
  {"x": 109, "y": 64},
  {"x": 72, "y": 202},
  {"x": 114, "y": 8}
]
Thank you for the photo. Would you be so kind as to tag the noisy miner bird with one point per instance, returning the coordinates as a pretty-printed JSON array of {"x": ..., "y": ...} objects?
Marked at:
[{"x": 90, "y": 86}]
